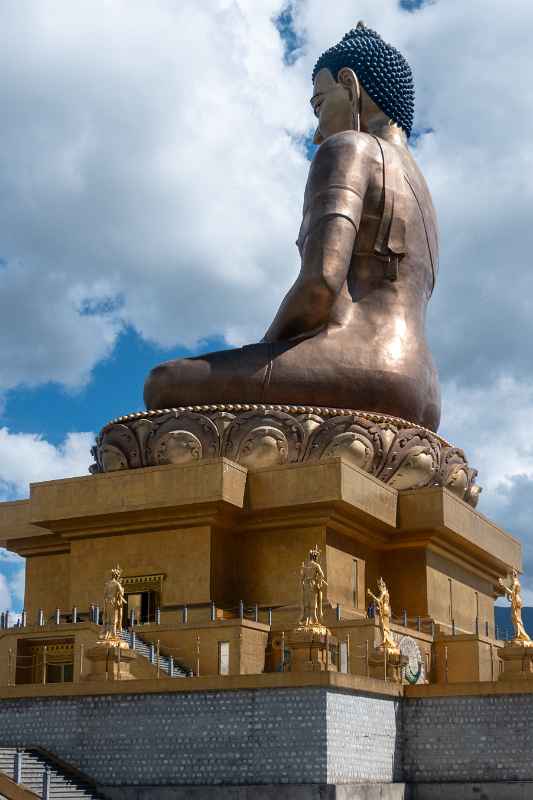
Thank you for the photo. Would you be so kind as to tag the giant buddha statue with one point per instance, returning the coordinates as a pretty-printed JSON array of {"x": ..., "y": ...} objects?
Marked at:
[
  {"x": 344, "y": 369},
  {"x": 350, "y": 331}
]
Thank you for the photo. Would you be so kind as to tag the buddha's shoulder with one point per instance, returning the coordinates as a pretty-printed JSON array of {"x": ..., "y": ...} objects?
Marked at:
[{"x": 347, "y": 144}]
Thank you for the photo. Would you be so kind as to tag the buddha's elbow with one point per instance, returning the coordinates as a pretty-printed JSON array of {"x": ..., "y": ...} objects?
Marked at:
[{"x": 318, "y": 296}]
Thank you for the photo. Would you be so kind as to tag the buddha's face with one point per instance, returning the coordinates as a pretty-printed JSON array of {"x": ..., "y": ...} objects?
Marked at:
[{"x": 333, "y": 105}]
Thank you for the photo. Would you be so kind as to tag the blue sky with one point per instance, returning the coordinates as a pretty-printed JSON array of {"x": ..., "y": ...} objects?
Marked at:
[{"x": 151, "y": 191}]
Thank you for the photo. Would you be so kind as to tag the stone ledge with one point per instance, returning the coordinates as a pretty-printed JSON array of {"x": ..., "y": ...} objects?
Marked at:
[
  {"x": 278, "y": 791},
  {"x": 473, "y": 689},
  {"x": 211, "y": 683}
]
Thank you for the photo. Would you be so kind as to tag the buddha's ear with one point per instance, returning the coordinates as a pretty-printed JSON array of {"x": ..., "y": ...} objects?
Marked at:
[{"x": 350, "y": 81}]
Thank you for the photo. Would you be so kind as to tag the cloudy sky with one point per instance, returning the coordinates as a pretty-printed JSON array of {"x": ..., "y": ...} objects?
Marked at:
[{"x": 152, "y": 164}]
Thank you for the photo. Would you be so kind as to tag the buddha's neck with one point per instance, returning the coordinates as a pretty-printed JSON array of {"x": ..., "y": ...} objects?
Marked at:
[{"x": 381, "y": 126}]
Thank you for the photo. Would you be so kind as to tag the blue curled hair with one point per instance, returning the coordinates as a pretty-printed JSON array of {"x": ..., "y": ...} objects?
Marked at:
[{"x": 382, "y": 70}]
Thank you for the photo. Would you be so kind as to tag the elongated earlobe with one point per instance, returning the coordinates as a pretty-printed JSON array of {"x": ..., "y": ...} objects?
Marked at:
[{"x": 349, "y": 80}]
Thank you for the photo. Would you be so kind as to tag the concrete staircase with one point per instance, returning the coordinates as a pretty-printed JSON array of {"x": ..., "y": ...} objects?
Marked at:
[
  {"x": 167, "y": 665},
  {"x": 43, "y": 776}
]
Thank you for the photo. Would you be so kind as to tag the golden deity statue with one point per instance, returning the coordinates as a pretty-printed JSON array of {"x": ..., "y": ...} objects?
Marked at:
[
  {"x": 113, "y": 606},
  {"x": 312, "y": 579},
  {"x": 514, "y": 595},
  {"x": 382, "y": 601}
]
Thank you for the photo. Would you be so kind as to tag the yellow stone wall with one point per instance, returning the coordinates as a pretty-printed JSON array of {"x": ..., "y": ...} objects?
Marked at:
[
  {"x": 455, "y": 592},
  {"x": 183, "y": 556},
  {"x": 47, "y": 584}
]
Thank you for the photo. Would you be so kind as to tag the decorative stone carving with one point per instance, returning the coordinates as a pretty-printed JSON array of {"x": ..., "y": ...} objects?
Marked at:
[{"x": 394, "y": 450}]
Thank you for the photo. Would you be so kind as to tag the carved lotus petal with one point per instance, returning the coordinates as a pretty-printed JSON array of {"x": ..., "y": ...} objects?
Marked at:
[
  {"x": 112, "y": 459},
  {"x": 353, "y": 448},
  {"x": 178, "y": 447},
  {"x": 264, "y": 446},
  {"x": 416, "y": 470}
]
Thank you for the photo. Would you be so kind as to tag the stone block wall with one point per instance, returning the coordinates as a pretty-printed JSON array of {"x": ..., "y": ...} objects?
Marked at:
[
  {"x": 261, "y": 736},
  {"x": 471, "y": 739},
  {"x": 364, "y": 738}
]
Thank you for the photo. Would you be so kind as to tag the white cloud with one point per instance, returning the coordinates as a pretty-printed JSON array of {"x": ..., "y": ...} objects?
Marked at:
[
  {"x": 5, "y": 594},
  {"x": 16, "y": 587},
  {"x": 147, "y": 171},
  {"x": 26, "y": 457}
]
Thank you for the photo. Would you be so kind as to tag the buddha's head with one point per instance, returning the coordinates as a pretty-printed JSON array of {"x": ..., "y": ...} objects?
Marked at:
[{"x": 362, "y": 83}]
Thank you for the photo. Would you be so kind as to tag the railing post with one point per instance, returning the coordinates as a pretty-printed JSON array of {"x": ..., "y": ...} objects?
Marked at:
[
  {"x": 17, "y": 771},
  {"x": 348, "y": 653},
  {"x": 171, "y": 666},
  {"x": 213, "y": 611},
  {"x": 46, "y": 785},
  {"x": 197, "y": 655},
  {"x": 74, "y": 614},
  {"x": 58, "y": 616},
  {"x": 158, "y": 651},
  {"x": 44, "y": 664},
  {"x": 338, "y": 612},
  {"x": 12, "y": 667},
  {"x": 97, "y": 614},
  {"x": 185, "y": 615},
  {"x": 40, "y": 618},
  {"x": 241, "y": 609},
  {"x": 405, "y": 618},
  {"x": 269, "y": 616},
  {"x": 152, "y": 653}
]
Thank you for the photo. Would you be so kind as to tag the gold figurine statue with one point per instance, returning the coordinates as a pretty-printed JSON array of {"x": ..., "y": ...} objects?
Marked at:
[
  {"x": 382, "y": 602},
  {"x": 514, "y": 595},
  {"x": 312, "y": 578},
  {"x": 113, "y": 605}
]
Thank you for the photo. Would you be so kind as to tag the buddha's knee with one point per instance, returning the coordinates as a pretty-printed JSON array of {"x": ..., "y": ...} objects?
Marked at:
[{"x": 159, "y": 383}]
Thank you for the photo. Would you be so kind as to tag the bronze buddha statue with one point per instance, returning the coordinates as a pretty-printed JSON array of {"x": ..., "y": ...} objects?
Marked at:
[
  {"x": 344, "y": 370},
  {"x": 351, "y": 331}
]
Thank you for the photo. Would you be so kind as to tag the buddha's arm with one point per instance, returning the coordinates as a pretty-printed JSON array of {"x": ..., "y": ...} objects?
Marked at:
[
  {"x": 334, "y": 198},
  {"x": 325, "y": 262}
]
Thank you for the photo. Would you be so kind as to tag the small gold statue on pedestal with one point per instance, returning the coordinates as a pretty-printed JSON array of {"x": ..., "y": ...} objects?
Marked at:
[
  {"x": 312, "y": 577},
  {"x": 514, "y": 595},
  {"x": 517, "y": 654},
  {"x": 111, "y": 657},
  {"x": 386, "y": 661},
  {"x": 311, "y": 642},
  {"x": 382, "y": 602},
  {"x": 113, "y": 607}
]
